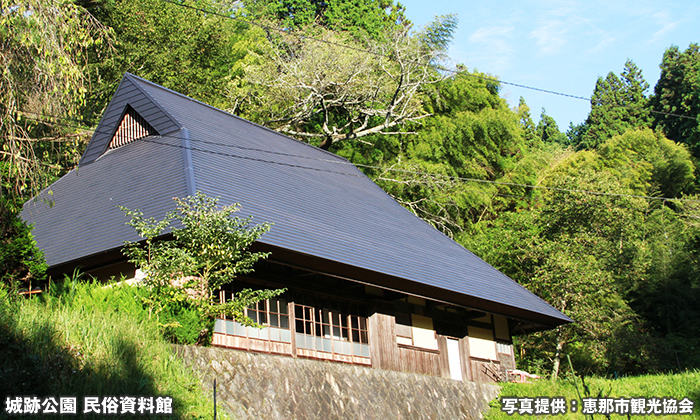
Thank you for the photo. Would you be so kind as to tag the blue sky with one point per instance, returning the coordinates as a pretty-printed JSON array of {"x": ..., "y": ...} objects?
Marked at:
[{"x": 562, "y": 45}]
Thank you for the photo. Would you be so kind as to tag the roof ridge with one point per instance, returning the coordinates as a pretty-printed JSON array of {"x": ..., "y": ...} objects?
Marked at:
[
  {"x": 241, "y": 119},
  {"x": 158, "y": 104}
]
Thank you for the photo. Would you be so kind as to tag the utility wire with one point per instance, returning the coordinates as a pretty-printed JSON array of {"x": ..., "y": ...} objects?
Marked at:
[
  {"x": 343, "y": 161},
  {"x": 436, "y": 66}
]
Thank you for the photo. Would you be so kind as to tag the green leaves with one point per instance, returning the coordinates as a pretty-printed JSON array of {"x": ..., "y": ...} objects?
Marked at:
[
  {"x": 369, "y": 19},
  {"x": 44, "y": 48},
  {"x": 21, "y": 262},
  {"x": 216, "y": 241},
  {"x": 209, "y": 249},
  {"x": 438, "y": 34},
  {"x": 617, "y": 105},
  {"x": 678, "y": 92}
]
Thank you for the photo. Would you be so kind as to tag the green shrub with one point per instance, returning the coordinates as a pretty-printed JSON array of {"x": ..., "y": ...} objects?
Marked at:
[{"x": 20, "y": 259}]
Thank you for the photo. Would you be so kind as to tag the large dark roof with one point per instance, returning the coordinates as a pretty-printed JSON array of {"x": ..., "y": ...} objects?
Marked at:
[{"x": 324, "y": 210}]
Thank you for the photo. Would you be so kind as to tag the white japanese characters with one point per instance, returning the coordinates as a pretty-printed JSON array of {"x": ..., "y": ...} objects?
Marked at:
[
  {"x": 109, "y": 405},
  {"x": 605, "y": 406}
]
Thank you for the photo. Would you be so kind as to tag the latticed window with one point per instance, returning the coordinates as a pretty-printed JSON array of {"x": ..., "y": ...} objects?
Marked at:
[
  {"x": 272, "y": 313},
  {"x": 332, "y": 330},
  {"x": 132, "y": 127}
]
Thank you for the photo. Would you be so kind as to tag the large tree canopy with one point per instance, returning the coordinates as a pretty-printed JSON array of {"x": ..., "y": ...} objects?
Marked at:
[
  {"x": 328, "y": 88},
  {"x": 617, "y": 105},
  {"x": 363, "y": 19},
  {"x": 603, "y": 258},
  {"x": 181, "y": 48},
  {"x": 677, "y": 97}
]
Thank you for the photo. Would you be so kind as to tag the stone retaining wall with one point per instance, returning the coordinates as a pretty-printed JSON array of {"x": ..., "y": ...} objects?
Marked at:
[{"x": 262, "y": 386}]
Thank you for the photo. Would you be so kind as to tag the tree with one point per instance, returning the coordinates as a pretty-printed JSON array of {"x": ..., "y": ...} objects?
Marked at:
[
  {"x": 648, "y": 163},
  {"x": 363, "y": 20},
  {"x": 208, "y": 251},
  {"x": 548, "y": 130},
  {"x": 21, "y": 262},
  {"x": 676, "y": 98},
  {"x": 183, "y": 49},
  {"x": 471, "y": 134},
  {"x": 43, "y": 45},
  {"x": 529, "y": 129},
  {"x": 568, "y": 249},
  {"x": 305, "y": 89},
  {"x": 617, "y": 105}
]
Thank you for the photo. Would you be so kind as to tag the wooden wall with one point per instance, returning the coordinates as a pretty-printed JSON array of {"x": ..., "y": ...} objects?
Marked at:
[
  {"x": 387, "y": 354},
  {"x": 423, "y": 361},
  {"x": 251, "y": 344},
  {"x": 382, "y": 342},
  {"x": 485, "y": 370}
]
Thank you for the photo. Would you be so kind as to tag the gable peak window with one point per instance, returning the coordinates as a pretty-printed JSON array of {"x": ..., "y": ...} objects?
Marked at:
[{"x": 131, "y": 127}]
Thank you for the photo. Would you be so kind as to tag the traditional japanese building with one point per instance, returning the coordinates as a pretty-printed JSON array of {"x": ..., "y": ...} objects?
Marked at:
[{"x": 367, "y": 281}]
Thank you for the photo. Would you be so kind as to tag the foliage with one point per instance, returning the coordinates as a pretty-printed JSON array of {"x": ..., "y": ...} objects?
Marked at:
[
  {"x": 210, "y": 248},
  {"x": 443, "y": 173},
  {"x": 548, "y": 130},
  {"x": 437, "y": 35},
  {"x": 191, "y": 52},
  {"x": 667, "y": 291},
  {"x": 363, "y": 20},
  {"x": 648, "y": 163},
  {"x": 20, "y": 259},
  {"x": 43, "y": 44},
  {"x": 596, "y": 256},
  {"x": 617, "y": 105},
  {"x": 676, "y": 97},
  {"x": 561, "y": 251},
  {"x": 303, "y": 88},
  {"x": 529, "y": 129},
  {"x": 91, "y": 340}
]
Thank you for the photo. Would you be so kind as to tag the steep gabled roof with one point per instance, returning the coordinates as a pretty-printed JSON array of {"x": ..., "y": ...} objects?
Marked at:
[
  {"x": 129, "y": 95},
  {"x": 325, "y": 211}
]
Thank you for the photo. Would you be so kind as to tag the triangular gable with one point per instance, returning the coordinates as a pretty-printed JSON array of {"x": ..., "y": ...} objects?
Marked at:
[
  {"x": 131, "y": 114},
  {"x": 132, "y": 127}
]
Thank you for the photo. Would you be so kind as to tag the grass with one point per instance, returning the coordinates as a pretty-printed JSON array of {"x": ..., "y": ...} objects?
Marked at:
[
  {"x": 94, "y": 341},
  {"x": 677, "y": 386},
  {"x": 88, "y": 340}
]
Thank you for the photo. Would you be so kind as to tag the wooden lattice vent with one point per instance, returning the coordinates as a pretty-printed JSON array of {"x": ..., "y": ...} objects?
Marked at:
[{"x": 132, "y": 127}]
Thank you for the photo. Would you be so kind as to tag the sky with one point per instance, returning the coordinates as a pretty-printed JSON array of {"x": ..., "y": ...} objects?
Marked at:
[{"x": 560, "y": 45}]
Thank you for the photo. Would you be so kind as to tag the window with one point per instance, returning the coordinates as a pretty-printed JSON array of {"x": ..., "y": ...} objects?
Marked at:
[
  {"x": 329, "y": 330},
  {"x": 272, "y": 314}
]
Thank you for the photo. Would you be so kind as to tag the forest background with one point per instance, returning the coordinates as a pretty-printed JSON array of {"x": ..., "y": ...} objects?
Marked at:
[{"x": 601, "y": 221}]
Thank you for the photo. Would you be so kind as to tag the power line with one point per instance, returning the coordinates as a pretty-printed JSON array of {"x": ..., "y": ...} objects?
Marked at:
[
  {"x": 362, "y": 50},
  {"x": 437, "y": 67},
  {"x": 343, "y": 161}
]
